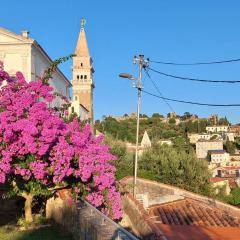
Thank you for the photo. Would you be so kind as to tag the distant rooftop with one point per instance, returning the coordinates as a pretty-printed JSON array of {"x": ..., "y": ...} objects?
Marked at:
[
  {"x": 203, "y": 140},
  {"x": 216, "y": 151}
]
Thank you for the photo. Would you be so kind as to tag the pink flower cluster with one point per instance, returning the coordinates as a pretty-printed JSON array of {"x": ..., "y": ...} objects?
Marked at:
[{"x": 37, "y": 145}]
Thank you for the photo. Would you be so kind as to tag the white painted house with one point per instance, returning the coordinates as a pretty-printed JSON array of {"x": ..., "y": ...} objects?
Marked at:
[
  {"x": 217, "y": 128},
  {"x": 203, "y": 146},
  {"x": 219, "y": 156},
  {"x": 24, "y": 54}
]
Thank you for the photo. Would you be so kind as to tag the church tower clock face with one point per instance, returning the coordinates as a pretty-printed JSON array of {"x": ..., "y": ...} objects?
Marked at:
[{"x": 83, "y": 83}]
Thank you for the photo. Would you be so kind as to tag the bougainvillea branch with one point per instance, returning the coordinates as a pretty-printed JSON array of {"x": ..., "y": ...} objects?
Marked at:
[{"x": 39, "y": 150}]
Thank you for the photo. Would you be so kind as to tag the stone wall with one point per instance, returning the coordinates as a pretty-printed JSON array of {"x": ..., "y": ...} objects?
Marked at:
[
  {"x": 155, "y": 190},
  {"x": 140, "y": 221},
  {"x": 136, "y": 221},
  {"x": 83, "y": 221}
]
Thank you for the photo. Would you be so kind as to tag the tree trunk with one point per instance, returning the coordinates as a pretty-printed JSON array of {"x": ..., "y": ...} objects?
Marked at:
[{"x": 28, "y": 207}]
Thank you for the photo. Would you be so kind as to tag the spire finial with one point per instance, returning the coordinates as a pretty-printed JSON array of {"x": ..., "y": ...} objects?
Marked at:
[{"x": 83, "y": 22}]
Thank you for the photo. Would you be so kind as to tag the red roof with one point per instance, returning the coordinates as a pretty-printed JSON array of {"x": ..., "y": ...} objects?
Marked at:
[
  {"x": 176, "y": 232},
  {"x": 189, "y": 219},
  {"x": 229, "y": 167},
  {"x": 231, "y": 180},
  {"x": 192, "y": 212},
  {"x": 217, "y": 179}
]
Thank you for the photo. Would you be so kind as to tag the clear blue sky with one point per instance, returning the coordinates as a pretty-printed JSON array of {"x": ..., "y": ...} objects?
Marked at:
[{"x": 181, "y": 31}]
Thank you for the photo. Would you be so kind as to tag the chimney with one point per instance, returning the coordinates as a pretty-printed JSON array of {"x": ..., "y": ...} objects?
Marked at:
[{"x": 25, "y": 33}]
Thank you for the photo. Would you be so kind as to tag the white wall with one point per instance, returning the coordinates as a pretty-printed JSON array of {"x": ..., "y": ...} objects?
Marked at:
[
  {"x": 40, "y": 64},
  {"x": 16, "y": 58},
  {"x": 20, "y": 54}
]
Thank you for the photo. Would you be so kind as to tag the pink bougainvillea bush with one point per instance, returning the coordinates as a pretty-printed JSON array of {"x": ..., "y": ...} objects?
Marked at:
[{"x": 39, "y": 151}]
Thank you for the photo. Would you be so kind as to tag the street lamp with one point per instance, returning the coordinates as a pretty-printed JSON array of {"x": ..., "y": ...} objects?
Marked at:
[
  {"x": 142, "y": 63},
  {"x": 126, "y": 75}
]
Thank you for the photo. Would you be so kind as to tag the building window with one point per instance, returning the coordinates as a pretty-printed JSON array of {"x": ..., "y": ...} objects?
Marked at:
[
  {"x": 85, "y": 76},
  {"x": 72, "y": 109},
  {"x": 81, "y": 64},
  {"x": 81, "y": 76},
  {"x": 77, "y": 77},
  {"x": 76, "y": 98}
]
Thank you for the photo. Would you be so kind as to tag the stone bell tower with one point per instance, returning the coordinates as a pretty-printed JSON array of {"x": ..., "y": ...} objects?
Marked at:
[{"x": 82, "y": 82}]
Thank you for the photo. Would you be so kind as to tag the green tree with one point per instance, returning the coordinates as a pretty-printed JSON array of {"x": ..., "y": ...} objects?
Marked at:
[
  {"x": 223, "y": 121},
  {"x": 172, "y": 121},
  {"x": 233, "y": 198},
  {"x": 143, "y": 115},
  {"x": 230, "y": 147},
  {"x": 124, "y": 162},
  {"x": 156, "y": 115},
  {"x": 186, "y": 115},
  {"x": 176, "y": 167}
]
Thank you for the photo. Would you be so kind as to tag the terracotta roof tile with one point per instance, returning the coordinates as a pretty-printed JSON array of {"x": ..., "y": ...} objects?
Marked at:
[{"x": 191, "y": 212}]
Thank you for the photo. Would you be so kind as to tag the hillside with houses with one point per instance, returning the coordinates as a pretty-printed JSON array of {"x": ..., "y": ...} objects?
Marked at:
[{"x": 213, "y": 141}]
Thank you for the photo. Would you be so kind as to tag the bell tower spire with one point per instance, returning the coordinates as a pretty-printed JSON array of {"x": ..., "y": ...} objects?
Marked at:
[{"x": 83, "y": 83}]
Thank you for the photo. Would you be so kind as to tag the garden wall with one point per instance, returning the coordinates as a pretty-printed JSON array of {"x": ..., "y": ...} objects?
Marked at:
[
  {"x": 156, "y": 191},
  {"x": 84, "y": 221}
]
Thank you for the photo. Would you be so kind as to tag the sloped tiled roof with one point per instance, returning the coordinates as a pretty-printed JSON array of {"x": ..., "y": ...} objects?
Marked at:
[
  {"x": 194, "y": 217},
  {"x": 191, "y": 212}
]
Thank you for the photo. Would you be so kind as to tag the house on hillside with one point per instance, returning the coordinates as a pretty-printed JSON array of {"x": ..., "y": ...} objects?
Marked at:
[
  {"x": 235, "y": 129},
  {"x": 165, "y": 141},
  {"x": 230, "y": 136},
  {"x": 203, "y": 146},
  {"x": 217, "y": 128},
  {"x": 194, "y": 137},
  {"x": 221, "y": 184},
  {"x": 219, "y": 157}
]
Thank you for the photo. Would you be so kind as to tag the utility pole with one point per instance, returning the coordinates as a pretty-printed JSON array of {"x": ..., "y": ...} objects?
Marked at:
[
  {"x": 139, "y": 88},
  {"x": 142, "y": 64}
]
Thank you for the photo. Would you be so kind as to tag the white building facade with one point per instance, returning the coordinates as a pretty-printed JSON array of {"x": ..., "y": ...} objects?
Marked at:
[
  {"x": 202, "y": 147},
  {"x": 194, "y": 137},
  {"x": 80, "y": 110},
  {"x": 24, "y": 54},
  {"x": 220, "y": 156},
  {"x": 217, "y": 128}
]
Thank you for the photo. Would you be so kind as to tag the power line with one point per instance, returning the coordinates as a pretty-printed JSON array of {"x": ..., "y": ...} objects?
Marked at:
[
  {"x": 193, "y": 79},
  {"x": 196, "y": 63},
  {"x": 193, "y": 103},
  {"x": 156, "y": 87}
]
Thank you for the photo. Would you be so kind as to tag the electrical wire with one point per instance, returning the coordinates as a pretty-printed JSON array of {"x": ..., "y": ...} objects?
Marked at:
[
  {"x": 196, "y": 63},
  {"x": 156, "y": 87},
  {"x": 190, "y": 102},
  {"x": 193, "y": 79}
]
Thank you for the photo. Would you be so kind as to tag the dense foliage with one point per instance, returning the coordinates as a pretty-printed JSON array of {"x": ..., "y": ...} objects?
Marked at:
[
  {"x": 176, "y": 166},
  {"x": 39, "y": 151},
  {"x": 233, "y": 198},
  {"x": 125, "y": 129},
  {"x": 230, "y": 147},
  {"x": 125, "y": 159}
]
